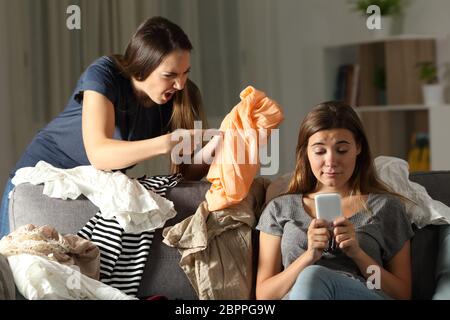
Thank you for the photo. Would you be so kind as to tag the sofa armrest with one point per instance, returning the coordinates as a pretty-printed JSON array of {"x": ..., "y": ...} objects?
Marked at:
[
  {"x": 29, "y": 205},
  {"x": 442, "y": 291}
]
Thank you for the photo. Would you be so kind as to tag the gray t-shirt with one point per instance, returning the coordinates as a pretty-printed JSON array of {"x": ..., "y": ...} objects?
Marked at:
[{"x": 381, "y": 233}]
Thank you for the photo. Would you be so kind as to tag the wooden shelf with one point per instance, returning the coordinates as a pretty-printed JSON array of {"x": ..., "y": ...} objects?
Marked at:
[{"x": 393, "y": 116}]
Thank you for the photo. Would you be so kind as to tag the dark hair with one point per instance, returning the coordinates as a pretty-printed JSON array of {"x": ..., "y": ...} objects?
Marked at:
[
  {"x": 187, "y": 108},
  {"x": 335, "y": 115},
  {"x": 153, "y": 40},
  {"x": 156, "y": 38}
]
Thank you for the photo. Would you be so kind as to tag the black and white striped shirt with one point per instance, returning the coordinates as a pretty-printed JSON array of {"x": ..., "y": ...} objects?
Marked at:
[{"x": 123, "y": 255}]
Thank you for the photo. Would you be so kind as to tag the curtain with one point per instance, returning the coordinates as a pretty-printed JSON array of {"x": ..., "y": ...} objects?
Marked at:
[
  {"x": 41, "y": 59},
  {"x": 6, "y": 137}
]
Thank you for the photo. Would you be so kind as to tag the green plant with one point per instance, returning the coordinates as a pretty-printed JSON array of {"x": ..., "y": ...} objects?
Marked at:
[
  {"x": 387, "y": 7},
  {"x": 428, "y": 72}
]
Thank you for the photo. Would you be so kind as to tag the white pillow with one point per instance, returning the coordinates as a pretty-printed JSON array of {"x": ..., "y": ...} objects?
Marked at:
[{"x": 395, "y": 173}]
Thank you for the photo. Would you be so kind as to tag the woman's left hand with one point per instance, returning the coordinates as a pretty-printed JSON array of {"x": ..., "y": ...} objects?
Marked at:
[{"x": 345, "y": 236}]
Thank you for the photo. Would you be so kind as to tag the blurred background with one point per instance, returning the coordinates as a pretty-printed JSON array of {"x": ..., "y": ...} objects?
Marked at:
[{"x": 297, "y": 51}]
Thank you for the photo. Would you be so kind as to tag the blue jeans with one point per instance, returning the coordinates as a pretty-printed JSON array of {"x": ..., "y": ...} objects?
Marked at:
[
  {"x": 320, "y": 283},
  {"x": 4, "y": 217}
]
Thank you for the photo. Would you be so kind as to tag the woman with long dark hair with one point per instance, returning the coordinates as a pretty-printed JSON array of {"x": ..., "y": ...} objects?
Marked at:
[
  {"x": 364, "y": 253},
  {"x": 124, "y": 109}
]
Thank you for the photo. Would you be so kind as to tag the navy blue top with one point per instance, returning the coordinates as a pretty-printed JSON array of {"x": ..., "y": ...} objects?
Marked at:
[{"x": 60, "y": 143}]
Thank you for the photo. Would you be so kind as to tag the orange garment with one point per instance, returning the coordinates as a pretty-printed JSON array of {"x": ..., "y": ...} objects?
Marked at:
[{"x": 231, "y": 177}]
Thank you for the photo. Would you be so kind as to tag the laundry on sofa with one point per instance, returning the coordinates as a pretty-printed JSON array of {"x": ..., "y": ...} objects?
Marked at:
[
  {"x": 216, "y": 246},
  {"x": 39, "y": 278},
  {"x": 123, "y": 255},
  {"x": 48, "y": 265},
  {"x": 163, "y": 275},
  {"x": 47, "y": 242},
  {"x": 114, "y": 193}
]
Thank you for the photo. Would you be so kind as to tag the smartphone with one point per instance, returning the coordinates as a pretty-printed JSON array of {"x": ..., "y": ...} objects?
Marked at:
[{"x": 328, "y": 206}]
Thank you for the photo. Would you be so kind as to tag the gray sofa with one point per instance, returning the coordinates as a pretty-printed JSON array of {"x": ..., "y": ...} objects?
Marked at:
[{"x": 163, "y": 276}]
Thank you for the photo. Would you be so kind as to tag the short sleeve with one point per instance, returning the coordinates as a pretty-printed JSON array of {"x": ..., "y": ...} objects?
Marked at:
[
  {"x": 99, "y": 77},
  {"x": 269, "y": 221},
  {"x": 394, "y": 226}
]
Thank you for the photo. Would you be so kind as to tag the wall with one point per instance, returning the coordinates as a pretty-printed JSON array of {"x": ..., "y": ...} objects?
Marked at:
[
  {"x": 275, "y": 45},
  {"x": 427, "y": 17},
  {"x": 287, "y": 56},
  {"x": 283, "y": 54},
  {"x": 6, "y": 156}
]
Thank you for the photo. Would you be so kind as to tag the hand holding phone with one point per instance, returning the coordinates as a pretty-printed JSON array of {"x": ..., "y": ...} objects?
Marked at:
[{"x": 328, "y": 206}]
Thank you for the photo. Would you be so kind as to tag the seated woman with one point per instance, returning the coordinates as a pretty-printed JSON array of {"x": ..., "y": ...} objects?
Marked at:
[{"x": 363, "y": 254}]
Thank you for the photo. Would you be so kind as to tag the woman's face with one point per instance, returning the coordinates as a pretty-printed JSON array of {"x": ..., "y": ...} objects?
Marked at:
[
  {"x": 169, "y": 77},
  {"x": 332, "y": 156}
]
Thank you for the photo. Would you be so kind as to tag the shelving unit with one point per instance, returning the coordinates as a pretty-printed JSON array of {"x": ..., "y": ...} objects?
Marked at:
[
  {"x": 391, "y": 116},
  {"x": 438, "y": 127}
]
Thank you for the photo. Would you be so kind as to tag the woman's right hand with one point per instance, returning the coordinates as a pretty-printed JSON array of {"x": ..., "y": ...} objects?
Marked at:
[
  {"x": 318, "y": 238},
  {"x": 183, "y": 142}
]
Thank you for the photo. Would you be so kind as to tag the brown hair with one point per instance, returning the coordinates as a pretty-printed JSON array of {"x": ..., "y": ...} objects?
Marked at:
[
  {"x": 187, "y": 108},
  {"x": 335, "y": 115},
  {"x": 152, "y": 42}
]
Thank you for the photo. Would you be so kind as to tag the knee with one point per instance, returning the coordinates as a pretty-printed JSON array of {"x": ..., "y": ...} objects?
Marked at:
[{"x": 311, "y": 284}]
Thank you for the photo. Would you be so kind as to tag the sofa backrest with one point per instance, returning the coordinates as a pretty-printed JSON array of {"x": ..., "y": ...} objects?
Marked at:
[{"x": 162, "y": 274}]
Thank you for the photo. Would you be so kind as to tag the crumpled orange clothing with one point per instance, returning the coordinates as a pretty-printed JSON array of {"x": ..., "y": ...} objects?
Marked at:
[{"x": 231, "y": 177}]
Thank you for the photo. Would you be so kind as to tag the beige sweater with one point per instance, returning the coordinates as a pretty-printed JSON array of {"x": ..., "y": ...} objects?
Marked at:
[
  {"x": 216, "y": 247},
  {"x": 46, "y": 242}
]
